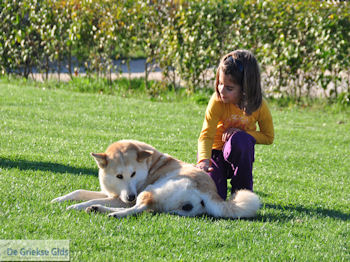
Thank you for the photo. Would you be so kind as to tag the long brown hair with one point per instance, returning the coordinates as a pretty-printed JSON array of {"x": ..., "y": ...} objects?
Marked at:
[{"x": 243, "y": 68}]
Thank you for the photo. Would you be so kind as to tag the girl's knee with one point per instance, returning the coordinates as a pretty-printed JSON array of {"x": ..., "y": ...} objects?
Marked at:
[{"x": 239, "y": 144}]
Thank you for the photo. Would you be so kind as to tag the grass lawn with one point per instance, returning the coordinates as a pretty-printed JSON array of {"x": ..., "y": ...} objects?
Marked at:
[{"x": 45, "y": 139}]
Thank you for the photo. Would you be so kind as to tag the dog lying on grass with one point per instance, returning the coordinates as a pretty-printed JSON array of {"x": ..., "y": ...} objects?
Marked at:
[{"x": 135, "y": 177}]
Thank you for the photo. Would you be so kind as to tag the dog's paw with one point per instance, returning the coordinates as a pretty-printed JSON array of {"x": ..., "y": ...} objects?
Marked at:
[
  {"x": 93, "y": 209},
  {"x": 76, "y": 207},
  {"x": 57, "y": 199},
  {"x": 115, "y": 215},
  {"x": 71, "y": 207}
]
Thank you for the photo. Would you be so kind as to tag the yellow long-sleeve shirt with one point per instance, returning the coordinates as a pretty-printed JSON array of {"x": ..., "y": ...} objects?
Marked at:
[{"x": 220, "y": 116}]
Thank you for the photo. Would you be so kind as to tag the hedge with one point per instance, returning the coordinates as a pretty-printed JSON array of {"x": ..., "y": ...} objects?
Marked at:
[{"x": 302, "y": 46}]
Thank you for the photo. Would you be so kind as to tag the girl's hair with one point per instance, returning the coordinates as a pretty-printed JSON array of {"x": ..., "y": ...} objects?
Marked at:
[{"x": 243, "y": 69}]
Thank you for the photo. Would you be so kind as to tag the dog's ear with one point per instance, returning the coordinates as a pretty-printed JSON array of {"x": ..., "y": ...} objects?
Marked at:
[
  {"x": 101, "y": 159},
  {"x": 143, "y": 154}
]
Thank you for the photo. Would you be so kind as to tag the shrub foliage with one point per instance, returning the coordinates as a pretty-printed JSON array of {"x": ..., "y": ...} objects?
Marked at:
[{"x": 301, "y": 45}]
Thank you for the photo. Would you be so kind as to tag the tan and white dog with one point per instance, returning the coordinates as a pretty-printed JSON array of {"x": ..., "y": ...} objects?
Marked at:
[{"x": 135, "y": 177}]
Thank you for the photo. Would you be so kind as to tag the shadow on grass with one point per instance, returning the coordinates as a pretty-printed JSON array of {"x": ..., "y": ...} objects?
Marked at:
[
  {"x": 279, "y": 213},
  {"x": 288, "y": 212},
  {"x": 45, "y": 166}
]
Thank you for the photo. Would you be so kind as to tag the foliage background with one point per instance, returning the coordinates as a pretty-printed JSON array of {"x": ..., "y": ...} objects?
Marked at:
[{"x": 302, "y": 46}]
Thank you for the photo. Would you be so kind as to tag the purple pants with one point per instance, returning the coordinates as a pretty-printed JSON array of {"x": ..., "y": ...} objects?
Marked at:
[{"x": 235, "y": 162}]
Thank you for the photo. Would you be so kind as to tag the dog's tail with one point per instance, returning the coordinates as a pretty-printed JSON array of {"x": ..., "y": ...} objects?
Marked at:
[{"x": 244, "y": 203}]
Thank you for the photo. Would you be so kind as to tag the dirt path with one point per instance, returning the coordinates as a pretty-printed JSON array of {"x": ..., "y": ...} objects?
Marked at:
[
  {"x": 66, "y": 76},
  {"x": 136, "y": 68}
]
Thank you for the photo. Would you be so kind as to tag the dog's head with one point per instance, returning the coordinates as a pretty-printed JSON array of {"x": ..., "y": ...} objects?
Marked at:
[{"x": 123, "y": 168}]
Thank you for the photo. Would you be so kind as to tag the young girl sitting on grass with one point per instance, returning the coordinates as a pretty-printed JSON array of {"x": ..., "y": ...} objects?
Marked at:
[{"x": 226, "y": 142}]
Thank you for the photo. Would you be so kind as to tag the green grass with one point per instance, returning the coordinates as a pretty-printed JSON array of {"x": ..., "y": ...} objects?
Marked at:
[{"x": 46, "y": 136}]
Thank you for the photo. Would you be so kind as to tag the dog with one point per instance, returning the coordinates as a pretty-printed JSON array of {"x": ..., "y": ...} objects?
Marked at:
[{"x": 135, "y": 177}]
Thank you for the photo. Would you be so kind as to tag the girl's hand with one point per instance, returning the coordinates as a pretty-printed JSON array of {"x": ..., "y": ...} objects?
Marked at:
[
  {"x": 205, "y": 165},
  {"x": 228, "y": 133}
]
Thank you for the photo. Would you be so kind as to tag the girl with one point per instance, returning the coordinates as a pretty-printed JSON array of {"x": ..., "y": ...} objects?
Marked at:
[{"x": 226, "y": 142}]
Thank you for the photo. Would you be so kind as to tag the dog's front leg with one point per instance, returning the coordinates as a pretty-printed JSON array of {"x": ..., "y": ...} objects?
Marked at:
[
  {"x": 80, "y": 195},
  {"x": 110, "y": 201},
  {"x": 102, "y": 209},
  {"x": 117, "y": 205},
  {"x": 124, "y": 212},
  {"x": 144, "y": 201}
]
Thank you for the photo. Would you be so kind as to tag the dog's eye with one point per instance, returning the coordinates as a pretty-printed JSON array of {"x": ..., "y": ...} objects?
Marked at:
[
  {"x": 133, "y": 174},
  {"x": 119, "y": 176}
]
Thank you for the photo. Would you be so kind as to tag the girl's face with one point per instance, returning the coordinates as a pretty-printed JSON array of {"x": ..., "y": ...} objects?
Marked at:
[{"x": 230, "y": 92}]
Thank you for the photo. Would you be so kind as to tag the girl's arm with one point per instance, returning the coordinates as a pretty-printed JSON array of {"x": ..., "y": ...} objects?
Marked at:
[
  {"x": 266, "y": 133},
  {"x": 206, "y": 138}
]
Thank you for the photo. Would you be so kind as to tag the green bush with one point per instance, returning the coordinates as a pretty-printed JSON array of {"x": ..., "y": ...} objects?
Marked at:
[{"x": 301, "y": 45}]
